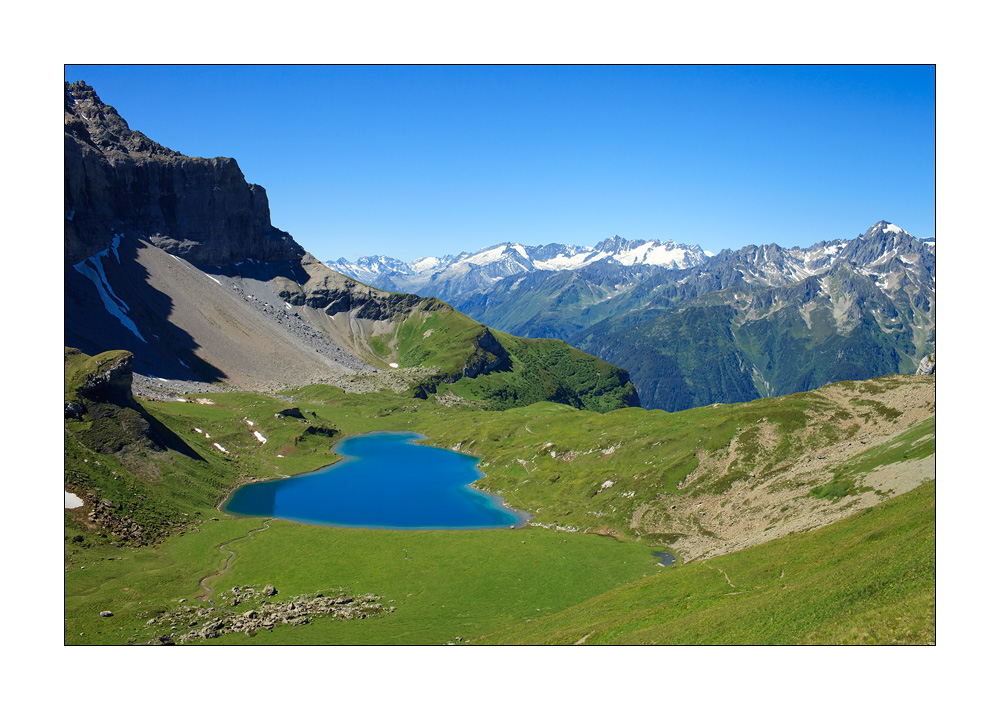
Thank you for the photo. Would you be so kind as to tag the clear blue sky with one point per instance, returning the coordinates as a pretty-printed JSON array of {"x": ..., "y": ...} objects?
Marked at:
[{"x": 415, "y": 161}]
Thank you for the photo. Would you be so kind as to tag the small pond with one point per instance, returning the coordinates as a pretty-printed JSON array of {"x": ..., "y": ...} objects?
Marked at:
[
  {"x": 666, "y": 559},
  {"x": 385, "y": 480}
]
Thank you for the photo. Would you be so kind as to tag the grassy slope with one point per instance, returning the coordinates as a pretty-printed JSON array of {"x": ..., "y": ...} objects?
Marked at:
[
  {"x": 441, "y": 338},
  {"x": 443, "y": 584},
  {"x": 865, "y": 579},
  {"x": 541, "y": 369},
  {"x": 549, "y": 370},
  {"x": 653, "y": 449}
]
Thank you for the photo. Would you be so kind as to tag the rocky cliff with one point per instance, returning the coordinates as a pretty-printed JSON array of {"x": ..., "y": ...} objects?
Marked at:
[
  {"x": 118, "y": 181},
  {"x": 174, "y": 259}
]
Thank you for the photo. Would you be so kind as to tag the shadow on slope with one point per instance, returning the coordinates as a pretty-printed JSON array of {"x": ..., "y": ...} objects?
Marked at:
[{"x": 161, "y": 348}]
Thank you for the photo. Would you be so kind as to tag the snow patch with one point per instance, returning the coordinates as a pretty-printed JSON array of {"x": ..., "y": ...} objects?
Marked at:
[
  {"x": 574, "y": 261},
  {"x": 220, "y": 447},
  {"x": 213, "y": 279},
  {"x": 488, "y": 256},
  {"x": 72, "y": 501},
  {"x": 260, "y": 437},
  {"x": 394, "y": 365},
  {"x": 93, "y": 268}
]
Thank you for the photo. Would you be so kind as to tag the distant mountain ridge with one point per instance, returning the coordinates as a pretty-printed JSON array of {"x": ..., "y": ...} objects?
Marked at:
[
  {"x": 758, "y": 321},
  {"x": 449, "y": 276},
  {"x": 766, "y": 320}
]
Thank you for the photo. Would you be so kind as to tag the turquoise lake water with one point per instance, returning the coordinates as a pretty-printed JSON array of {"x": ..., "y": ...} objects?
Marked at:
[{"x": 384, "y": 481}]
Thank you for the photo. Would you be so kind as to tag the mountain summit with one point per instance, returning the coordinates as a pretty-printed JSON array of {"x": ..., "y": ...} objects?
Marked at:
[{"x": 118, "y": 181}]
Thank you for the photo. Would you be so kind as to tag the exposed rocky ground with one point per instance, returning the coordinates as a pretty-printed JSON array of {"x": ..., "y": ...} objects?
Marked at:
[
  {"x": 770, "y": 504},
  {"x": 157, "y": 388},
  {"x": 262, "y": 298},
  {"x": 249, "y": 610},
  {"x": 400, "y": 380}
]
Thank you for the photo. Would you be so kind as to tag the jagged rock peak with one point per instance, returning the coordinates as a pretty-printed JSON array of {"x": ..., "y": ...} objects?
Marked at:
[
  {"x": 883, "y": 227},
  {"x": 119, "y": 182},
  {"x": 93, "y": 121}
]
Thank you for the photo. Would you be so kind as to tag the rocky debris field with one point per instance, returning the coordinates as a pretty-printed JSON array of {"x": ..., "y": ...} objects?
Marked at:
[
  {"x": 399, "y": 381},
  {"x": 396, "y": 380},
  {"x": 248, "y": 610},
  {"x": 262, "y": 298},
  {"x": 145, "y": 387}
]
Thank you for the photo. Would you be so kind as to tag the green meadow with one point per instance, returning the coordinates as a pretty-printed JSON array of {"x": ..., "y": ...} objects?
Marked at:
[
  {"x": 584, "y": 576},
  {"x": 866, "y": 579}
]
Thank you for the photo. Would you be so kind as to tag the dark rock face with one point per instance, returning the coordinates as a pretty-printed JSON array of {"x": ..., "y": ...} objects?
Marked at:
[
  {"x": 488, "y": 356},
  {"x": 112, "y": 382},
  {"x": 333, "y": 293},
  {"x": 119, "y": 181}
]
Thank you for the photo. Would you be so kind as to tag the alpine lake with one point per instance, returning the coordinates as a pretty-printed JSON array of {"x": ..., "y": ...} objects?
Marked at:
[{"x": 385, "y": 480}]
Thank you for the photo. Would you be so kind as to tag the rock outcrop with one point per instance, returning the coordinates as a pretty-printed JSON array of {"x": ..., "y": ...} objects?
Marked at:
[
  {"x": 926, "y": 366},
  {"x": 488, "y": 356},
  {"x": 250, "y": 611},
  {"x": 334, "y": 293},
  {"x": 111, "y": 381},
  {"x": 118, "y": 181}
]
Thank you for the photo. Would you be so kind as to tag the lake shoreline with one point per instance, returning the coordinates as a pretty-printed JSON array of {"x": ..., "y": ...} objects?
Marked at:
[{"x": 345, "y": 500}]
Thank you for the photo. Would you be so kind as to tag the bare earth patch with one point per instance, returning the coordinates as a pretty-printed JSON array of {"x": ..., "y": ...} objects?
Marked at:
[{"x": 767, "y": 504}]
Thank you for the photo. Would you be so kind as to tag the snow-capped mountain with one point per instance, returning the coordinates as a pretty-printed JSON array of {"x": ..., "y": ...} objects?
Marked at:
[
  {"x": 882, "y": 247},
  {"x": 449, "y": 275},
  {"x": 764, "y": 320}
]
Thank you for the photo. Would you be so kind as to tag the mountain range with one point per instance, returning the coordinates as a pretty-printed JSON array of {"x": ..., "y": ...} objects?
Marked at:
[
  {"x": 206, "y": 350},
  {"x": 694, "y": 328},
  {"x": 456, "y": 276}
]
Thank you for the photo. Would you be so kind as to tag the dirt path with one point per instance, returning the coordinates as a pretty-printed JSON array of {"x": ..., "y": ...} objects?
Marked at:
[{"x": 232, "y": 554}]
